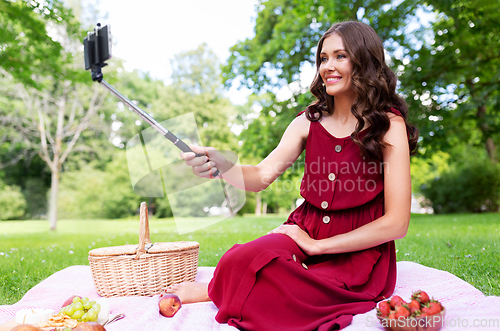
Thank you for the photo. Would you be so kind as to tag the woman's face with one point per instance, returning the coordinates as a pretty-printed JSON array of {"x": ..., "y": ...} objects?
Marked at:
[{"x": 336, "y": 67}]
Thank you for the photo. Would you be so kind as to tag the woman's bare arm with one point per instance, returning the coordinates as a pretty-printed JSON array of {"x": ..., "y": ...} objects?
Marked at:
[{"x": 253, "y": 177}]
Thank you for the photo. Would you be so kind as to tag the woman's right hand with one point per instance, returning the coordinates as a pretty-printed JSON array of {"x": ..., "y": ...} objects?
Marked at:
[{"x": 206, "y": 165}]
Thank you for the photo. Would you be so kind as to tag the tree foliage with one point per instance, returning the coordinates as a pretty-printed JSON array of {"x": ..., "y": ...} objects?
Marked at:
[
  {"x": 197, "y": 71},
  {"x": 452, "y": 80},
  {"x": 29, "y": 39}
]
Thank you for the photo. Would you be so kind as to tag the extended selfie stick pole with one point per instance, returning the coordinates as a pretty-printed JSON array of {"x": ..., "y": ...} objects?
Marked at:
[
  {"x": 98, "y": 76},
  {"x": 150, "y": 120}
]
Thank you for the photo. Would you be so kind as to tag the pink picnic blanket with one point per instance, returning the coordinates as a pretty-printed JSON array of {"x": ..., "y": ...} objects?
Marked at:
[{"x": 466, "y": 307}]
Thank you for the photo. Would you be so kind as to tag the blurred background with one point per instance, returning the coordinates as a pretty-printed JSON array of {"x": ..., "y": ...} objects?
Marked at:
[{"x": 243, "y": 68}]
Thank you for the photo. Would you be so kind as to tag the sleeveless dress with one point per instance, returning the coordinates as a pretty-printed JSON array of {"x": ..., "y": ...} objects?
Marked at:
[{"x": 271, "y": 284}]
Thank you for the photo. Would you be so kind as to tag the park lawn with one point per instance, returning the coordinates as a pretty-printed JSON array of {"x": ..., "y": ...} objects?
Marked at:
[{"x": 466, "y": 245}]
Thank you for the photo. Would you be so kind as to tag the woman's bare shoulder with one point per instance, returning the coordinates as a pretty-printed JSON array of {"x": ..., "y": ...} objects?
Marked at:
[
  {"x": 300, "y": 126},
  {"x": 397, "y": 130}
]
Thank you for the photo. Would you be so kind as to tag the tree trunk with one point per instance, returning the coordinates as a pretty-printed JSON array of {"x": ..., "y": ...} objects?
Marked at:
[
  {"x": 264, "y": 209},
  {"x": 489, "y": 144},
  {"x": 491, "y": 149},
  {"x": 258, "y": 204},
  {"x": 54, "y": 192}
]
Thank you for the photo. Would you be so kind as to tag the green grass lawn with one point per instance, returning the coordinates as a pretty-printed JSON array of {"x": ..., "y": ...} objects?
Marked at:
[{"x": 466, "y": 245}]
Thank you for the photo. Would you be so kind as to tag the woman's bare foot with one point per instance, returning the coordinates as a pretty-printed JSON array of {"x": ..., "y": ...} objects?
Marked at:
[{"x": 190, "y": 292}]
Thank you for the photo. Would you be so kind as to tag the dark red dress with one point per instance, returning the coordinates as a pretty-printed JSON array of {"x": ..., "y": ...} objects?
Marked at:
[{"x": 270, "y": 284}]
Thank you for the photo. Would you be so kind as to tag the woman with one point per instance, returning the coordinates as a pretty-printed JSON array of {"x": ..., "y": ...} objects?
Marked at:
[{"x": 334, "y": 257}]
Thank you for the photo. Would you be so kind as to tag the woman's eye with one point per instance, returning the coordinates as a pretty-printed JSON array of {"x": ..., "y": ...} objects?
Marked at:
[
  {"x": 341, "y": 56},
  {"x": 324, "y": 59}
]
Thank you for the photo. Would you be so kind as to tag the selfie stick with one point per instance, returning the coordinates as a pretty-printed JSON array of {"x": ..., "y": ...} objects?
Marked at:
[
  {"x": 97, "y": 49},
  {"x": 95, "y": 61}
]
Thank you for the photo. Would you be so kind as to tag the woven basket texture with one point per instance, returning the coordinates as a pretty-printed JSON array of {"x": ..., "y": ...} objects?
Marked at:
[{"x": 143, "y": 270}]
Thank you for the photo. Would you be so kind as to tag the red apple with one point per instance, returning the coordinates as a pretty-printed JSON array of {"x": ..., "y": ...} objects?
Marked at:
[
  {"x": 68, "y": 301},
  {"x": 169, "y": 304}
]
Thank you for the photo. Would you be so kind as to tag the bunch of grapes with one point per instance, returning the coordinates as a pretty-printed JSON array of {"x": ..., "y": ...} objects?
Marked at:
[{"x": 82, "y": 310}]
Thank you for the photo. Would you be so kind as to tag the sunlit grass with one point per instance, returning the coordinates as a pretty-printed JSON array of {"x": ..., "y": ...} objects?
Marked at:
[{"x": 465, "y": 245}]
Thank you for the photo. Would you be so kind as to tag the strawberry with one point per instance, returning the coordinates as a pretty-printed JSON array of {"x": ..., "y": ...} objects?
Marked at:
[
  {"x": 384, "y": 308},
  {"x": 414, "y": 307},
  {"x": 426, "y": 311},
  {"x": 420, "y": 296},
  {"x": 397, "y": 301},
  {"x": 401, "y": 311},
  {"x": 434, "y": 307},
  {"x": 392, "y": 316}
]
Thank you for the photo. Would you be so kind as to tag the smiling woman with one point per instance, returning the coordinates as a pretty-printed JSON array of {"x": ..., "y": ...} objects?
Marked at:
[{"x": 334, "y": 257}]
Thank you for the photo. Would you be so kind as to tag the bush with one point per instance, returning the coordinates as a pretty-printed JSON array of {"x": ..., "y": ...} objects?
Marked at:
[
  {"x": 12, "y": 203},
  {"x": 473, "y": 186},
  {"x": 93, "y": 193},
  {"x": 425, "y": 169}
]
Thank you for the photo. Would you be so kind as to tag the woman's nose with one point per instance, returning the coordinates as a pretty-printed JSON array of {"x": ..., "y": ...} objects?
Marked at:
[{"x": 330, "y": 65}]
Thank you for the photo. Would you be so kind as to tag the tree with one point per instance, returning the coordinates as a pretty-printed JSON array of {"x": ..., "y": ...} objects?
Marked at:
[
  {"x": 51, "y": 121},
  {"x": 453, "y": 78},
  {"x": 29, "y": 47},
  {"x": 197, "y": 71}
]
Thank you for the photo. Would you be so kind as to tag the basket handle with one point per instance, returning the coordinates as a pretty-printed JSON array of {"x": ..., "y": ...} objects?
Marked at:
[{"x": 143, "y": 230}]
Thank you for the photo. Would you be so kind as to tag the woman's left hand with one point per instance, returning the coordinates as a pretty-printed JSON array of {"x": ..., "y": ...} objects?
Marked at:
[{"x": 301, "y": 238}]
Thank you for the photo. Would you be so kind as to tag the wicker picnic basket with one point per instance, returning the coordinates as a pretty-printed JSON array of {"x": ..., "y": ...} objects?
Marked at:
[{"x": 143, "y": 270}]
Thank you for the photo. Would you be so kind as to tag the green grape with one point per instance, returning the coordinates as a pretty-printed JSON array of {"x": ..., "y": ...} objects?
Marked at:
[
  {"x": 77, "y": 314},
  {"x": 85, "y": 299},
  {"x": 85, "y": 318},
  {"x": 78, "y": 306},
  {"x": 70, "y": 310},
  {"x": 76, "y": 299},
  {"x": 92, "y": 315},
  {"x": 87, "y": 305},
  {"x": 97, "y": 307}
]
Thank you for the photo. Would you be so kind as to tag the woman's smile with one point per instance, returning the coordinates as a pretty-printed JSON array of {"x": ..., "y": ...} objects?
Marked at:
[{"x": 332, "y": 79}]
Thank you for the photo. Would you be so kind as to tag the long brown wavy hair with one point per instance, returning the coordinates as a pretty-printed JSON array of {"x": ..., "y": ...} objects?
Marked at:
[{"x": 375, "y": 86}]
